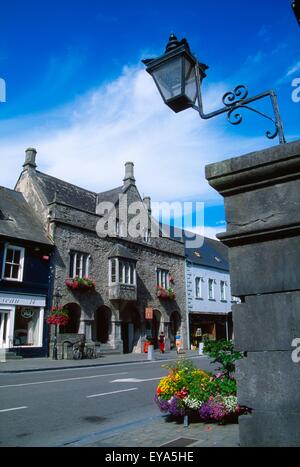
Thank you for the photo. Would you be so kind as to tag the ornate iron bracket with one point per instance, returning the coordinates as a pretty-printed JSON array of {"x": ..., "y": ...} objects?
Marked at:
[{"x": 238, "y": 99}]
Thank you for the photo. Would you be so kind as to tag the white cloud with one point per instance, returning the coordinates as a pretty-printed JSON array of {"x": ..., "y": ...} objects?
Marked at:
[{"x": 88, "y": 141}]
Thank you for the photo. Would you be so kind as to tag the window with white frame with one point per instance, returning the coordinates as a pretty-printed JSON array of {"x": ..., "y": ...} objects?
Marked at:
[
  {"x": 163, "y": 278},
  {"x": 223, "y": 291},
  {"x": 211, "y": 289},
  {"x": 13, "y": 265},
  {"x": 198, "y": 287},
  {"x": 79, "y": 264},
  {"x": 122, "y": 271}
]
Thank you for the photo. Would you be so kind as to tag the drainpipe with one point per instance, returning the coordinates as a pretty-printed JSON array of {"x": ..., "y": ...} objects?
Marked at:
[{"x": 188, "y": 339}]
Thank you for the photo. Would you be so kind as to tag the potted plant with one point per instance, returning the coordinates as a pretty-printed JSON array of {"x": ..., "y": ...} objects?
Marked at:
[
  {"x": 80, "y": 283},
  {"x": 205, "y": 397},
  {"x": 58, "y": 316}
]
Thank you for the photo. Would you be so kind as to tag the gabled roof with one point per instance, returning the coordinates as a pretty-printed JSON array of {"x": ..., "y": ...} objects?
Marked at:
[
  {"x": 121, "y": 251},
  {"x": 18, "y": 221},
  {"x": 111, "y": 195},
  {"x": 54, "y": 188}
]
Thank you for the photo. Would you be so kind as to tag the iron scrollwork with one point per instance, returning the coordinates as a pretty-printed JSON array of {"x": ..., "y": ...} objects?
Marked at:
[
  {"x": 238, "y": 99},
  {"x": 235, "y": 100}
]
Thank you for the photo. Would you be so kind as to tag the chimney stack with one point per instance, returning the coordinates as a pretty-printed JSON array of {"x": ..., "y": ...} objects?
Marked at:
[
  {"x": 30, "y": 158},
  {"x": 147, "y": 203},
  {"x": 129, "y": 174}
]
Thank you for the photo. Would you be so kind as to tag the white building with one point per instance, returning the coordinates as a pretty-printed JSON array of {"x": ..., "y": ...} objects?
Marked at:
[{"x": 209, "y": 298}]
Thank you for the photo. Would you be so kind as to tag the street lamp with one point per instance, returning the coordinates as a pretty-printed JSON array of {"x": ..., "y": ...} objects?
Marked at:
[
  {"x": 296, "y": 8},
  {"x": 178, "y": 76},
  {"x": 57, "y": 297}
]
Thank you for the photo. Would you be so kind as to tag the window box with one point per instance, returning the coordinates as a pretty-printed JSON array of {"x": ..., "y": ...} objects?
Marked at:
[
  {"x": 165, "y": 294},
  {"x": 79, "y": 283}
]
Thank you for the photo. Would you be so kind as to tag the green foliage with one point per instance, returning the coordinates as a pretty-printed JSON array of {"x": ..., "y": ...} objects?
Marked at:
[{"x": 222, "y": 351}]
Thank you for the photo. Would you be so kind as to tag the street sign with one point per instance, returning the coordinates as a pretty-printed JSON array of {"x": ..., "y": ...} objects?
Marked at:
[{"x": 149, "y": 313}]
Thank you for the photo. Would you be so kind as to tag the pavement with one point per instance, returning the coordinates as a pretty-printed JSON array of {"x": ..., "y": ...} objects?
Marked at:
[{"x": 156, "y": 431}]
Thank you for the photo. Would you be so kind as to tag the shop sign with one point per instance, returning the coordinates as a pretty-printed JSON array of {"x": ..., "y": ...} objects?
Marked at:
[
  {"x": 149, "y": 313},
  {"x": 27, "y": 313},
  {"x": 22, "y": 300}
]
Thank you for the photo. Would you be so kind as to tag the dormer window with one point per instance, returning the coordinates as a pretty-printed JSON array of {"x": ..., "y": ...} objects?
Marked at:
[{"x": 13, "y": 264}]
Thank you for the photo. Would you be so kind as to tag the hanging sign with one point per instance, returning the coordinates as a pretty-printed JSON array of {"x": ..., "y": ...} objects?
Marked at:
[
  {"x": 27, "y": 313},
  {"x": 149, "y": 313}
]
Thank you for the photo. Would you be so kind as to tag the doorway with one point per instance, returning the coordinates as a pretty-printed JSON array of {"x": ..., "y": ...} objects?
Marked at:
[
  {"x": 4, "y": 327},
  {"x": 130, "y": 328}
]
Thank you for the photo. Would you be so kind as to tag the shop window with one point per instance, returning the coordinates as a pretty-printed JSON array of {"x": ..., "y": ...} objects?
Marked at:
[
  {"x": 13, "y": 263},
  {"x": 27, "y": 327},
  {"x": 79, "y": 264}
]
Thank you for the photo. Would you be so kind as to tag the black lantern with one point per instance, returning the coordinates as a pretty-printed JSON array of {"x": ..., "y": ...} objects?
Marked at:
[
  {"x": 178, "y": 76},
  {"x": 174, "y": 74},
  {"x": 296, "y": 8}
]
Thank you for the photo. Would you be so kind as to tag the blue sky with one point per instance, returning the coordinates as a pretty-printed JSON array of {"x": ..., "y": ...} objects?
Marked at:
[{"x": 76, "y": 89}]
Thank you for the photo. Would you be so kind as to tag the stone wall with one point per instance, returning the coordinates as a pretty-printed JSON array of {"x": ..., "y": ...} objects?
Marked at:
[{"x": 262, "y": 204}]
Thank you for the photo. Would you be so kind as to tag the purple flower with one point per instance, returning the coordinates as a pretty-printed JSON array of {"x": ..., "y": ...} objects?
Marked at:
[
  {"x": 162, "y": 404},
  {"x": 212, "y": 410},
  {"x": 175, "y": 406}
]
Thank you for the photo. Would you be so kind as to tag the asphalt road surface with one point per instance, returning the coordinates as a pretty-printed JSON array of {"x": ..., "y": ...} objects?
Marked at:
[{"x": 59, "y": 407}]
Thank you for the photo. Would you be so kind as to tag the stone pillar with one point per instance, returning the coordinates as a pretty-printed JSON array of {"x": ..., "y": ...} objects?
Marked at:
[{"x": 261, "y": 192}]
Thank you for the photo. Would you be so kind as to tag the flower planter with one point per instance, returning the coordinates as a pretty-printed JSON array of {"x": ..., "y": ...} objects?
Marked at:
[
  {"x": 165, "y": 294},
  {"x": 203, "y": 397},
  {"x": 81, "y": 284}
]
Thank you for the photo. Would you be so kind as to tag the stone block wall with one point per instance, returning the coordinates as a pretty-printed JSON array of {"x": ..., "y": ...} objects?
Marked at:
[{"x": 262, "y": 204}]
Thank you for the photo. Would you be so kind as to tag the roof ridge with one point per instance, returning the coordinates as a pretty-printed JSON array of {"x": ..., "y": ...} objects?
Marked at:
[{"x": 112, "y": 189}]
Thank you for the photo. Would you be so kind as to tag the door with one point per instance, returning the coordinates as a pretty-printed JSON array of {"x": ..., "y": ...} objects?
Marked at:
[{"x": 4, "y": 326}]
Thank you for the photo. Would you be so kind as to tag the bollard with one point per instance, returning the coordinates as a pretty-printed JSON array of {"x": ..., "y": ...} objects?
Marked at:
[
  {"x": 186, "y": 421},
  {"x": 150, "y": 352}
]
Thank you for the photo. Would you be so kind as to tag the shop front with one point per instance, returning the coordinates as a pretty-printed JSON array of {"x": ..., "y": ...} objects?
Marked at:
[
  {"x": 22, "y": 324},
  {"x": 209, "y": 326}
]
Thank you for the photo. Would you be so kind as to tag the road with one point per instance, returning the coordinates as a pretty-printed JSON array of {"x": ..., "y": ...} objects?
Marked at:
[{"x": 59, "y": 407}]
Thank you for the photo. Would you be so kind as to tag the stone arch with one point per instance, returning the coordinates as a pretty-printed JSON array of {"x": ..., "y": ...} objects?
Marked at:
[
  {"x": 73, "y": 325},
  {"x": 102, "y": 324},
  {"x": 155, "y": 326},
  {"x": 175, "y": 326},
  {"x": 130, "y": 327}
]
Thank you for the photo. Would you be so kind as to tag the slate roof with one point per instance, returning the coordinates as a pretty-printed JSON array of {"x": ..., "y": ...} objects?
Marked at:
[
  {"x": 18, "y": 221},
  {"x": 211, "y": 253},
  {"x": 121, "y": 251},
  {"x": 73, "y": 195},
  {"x": 66, "y": 192},
  {"x": 111, "y": 195}
]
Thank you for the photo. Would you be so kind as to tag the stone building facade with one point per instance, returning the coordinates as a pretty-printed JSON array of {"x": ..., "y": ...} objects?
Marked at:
[{"x": 126, "y": 270}]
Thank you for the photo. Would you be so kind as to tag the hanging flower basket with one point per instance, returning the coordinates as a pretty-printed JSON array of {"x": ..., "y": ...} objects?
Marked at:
[
  {"x": 58, "y": 316},
  {"x": 80, "y": 283},
  {"x": 165, "y": 294},
  {"x": 204, "y": 397}
]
